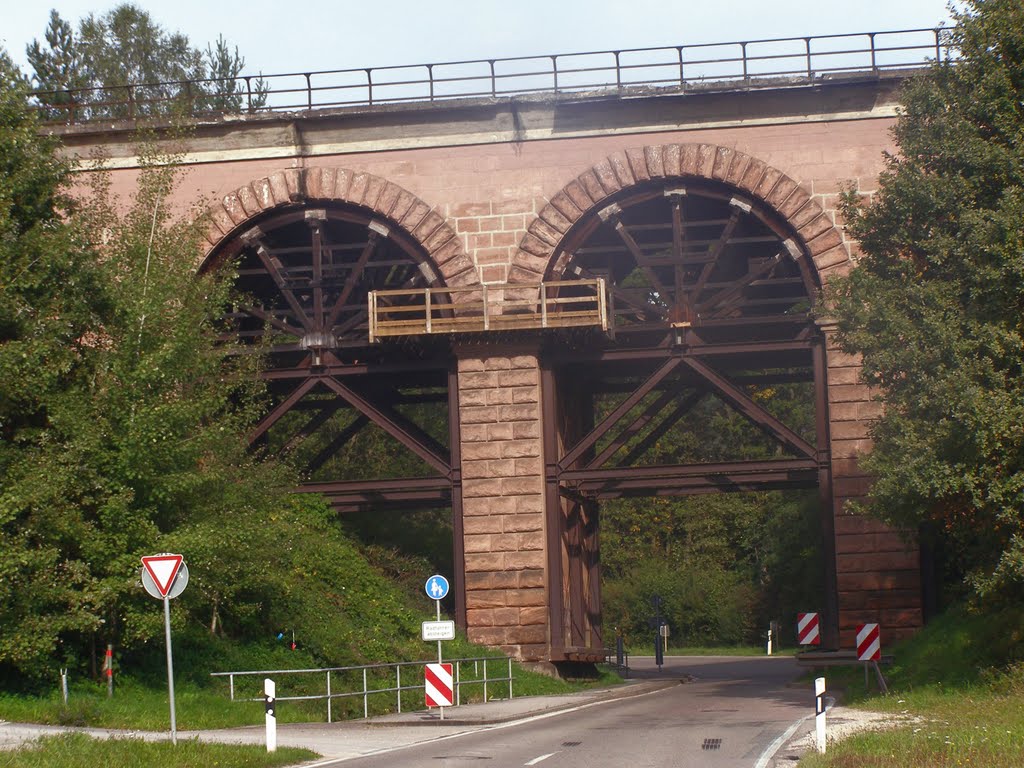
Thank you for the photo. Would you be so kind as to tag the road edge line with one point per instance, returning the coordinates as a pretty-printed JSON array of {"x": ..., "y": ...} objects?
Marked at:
[{"x": 771, "y": 749}]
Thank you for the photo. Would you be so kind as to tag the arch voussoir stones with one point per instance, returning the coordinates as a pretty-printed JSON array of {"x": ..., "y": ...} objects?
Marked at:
[
  {"x": 620, "y": 170},
  {"x": 425, "y": 225}
]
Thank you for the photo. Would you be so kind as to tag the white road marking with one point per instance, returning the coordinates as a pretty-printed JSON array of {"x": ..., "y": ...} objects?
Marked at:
[
  {"x": 769, "y": 753},
  {"x": 480, "y": 729},
  {"x": 541, "y": 758}
]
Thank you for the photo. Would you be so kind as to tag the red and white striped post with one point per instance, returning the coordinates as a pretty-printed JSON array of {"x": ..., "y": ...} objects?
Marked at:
[
  {"x": 869, "y": 650},
  {"x": 869, "y": 643},
  {"x": 438, "y": 685},
  {"x": 808, "y": 629}
]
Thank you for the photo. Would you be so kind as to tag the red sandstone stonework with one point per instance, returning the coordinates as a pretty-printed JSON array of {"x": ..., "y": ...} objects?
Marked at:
[
  {"x": 503, "y": 502},
  {"x": 495, "y": 213}
]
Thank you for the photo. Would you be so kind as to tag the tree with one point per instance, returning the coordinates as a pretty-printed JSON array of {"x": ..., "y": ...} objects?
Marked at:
[
  {"x": 124, "y": 409},
  {"x": 935, "y": 301},
  {"x": 122, "y": 419},
  {"x": 124, "y": 64},
  {"x": 50, "y": 296}
]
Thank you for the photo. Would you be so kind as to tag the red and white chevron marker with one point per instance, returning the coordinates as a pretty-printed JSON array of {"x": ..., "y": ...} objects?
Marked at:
[
  {"x": 807, "y": 631},
  {"x": 438, "y": 684},
  {"x": 869, "y": 643}
]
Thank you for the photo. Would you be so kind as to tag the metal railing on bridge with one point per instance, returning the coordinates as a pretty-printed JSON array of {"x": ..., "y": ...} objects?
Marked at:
[{"x": 705, "y": 66}]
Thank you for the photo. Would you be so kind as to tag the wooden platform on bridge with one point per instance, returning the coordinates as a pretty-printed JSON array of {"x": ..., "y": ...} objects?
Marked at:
[{"x": 551, "y": 304}]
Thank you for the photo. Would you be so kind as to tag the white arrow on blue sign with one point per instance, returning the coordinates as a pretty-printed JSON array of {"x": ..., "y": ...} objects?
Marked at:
[{"x": 436, "y": 587}]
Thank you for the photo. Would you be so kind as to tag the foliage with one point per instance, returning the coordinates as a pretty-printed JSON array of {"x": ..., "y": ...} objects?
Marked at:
[
  {"x": 960, "y": 680},
  {"x": 51, "y": 294},
  {"x": 124, "y": 415},
  {"x": 725, "y": 565},
  {"x": 124, "y": 56},
  {"x": 702, "y": 602},
  {"x": 731, "y": 562},
  {"x": 934, "y": 303},
  {"x": 76, "y": 749}
]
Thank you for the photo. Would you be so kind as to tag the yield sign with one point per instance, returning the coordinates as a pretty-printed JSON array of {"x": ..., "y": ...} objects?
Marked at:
[{"x": 163, "y": 569}]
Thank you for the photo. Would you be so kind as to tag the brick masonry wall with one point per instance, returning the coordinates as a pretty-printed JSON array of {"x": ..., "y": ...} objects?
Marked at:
[
  {"x": 503, "y": 503},
  {"x": 489, "y": 195},
  {"x": 878, "y": 569}
]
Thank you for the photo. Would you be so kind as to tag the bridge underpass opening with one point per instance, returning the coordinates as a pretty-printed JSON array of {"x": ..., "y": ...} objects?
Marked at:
[
  {"x": 711, "y": 380},
  {"x": 523, "y": 432},
  {"x": 368, "y": 425}
]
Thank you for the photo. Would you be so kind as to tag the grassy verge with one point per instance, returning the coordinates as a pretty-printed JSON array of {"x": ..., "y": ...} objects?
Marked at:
[
  {"x": 78, "y": 751},
  {"x": 963, "y": 702},
  {"x": 138, "y": 706}
]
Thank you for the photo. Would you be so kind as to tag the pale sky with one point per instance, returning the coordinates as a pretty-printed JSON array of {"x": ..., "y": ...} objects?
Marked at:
[{"x": 276, "y": 36}]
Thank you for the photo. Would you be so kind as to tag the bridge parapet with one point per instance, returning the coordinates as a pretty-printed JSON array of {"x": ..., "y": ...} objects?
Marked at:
[{"x": 705, "y": 67}]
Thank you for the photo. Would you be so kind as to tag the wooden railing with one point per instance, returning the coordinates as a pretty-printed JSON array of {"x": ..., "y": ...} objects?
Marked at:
[{"x": 477, "y": 309}]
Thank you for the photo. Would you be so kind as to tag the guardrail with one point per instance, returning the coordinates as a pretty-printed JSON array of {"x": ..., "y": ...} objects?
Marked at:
[
  {"x": 749, "y": 63},
  {"x": 552, "y": 304},
  {"x": 391, "y": 671},
  {"x": 612, "y": 659}
]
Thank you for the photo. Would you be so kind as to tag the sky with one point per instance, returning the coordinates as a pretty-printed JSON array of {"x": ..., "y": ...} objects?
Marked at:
[{"x": 282, "y": 37}]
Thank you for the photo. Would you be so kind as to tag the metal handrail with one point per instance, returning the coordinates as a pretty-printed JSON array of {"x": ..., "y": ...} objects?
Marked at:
[
  {"x": 746, "y": 64},
  {"x": 330, "y": 694}
]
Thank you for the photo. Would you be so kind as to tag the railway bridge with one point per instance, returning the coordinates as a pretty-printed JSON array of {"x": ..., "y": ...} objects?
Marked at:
[{"x": 527, "y": 287}]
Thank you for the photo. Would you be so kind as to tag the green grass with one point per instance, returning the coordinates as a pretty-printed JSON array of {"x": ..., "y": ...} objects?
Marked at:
[
  {"x": 145, "y": 707},
  {"x": 79, "y": 751},
  {"x": 958, "y": 680}
]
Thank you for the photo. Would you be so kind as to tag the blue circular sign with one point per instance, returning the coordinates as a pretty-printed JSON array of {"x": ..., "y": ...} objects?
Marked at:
[{"x": 436, "y": 587}]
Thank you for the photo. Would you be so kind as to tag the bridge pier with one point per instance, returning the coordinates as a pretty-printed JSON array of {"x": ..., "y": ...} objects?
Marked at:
[{"x": 505, "y": 528}]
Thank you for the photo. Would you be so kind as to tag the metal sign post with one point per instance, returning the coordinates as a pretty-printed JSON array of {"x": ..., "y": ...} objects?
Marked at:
[
  {"x": 437, "y": 589},
  {"x": 659, "y": 641},
  {"x": 170, "y": 668},
  {"x": 164, "y": 577}
]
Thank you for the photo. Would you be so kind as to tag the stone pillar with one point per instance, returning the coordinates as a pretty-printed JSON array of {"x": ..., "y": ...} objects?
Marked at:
[
  {"x": 878, "y": 569},
  {"x": 503, "y": 502}
]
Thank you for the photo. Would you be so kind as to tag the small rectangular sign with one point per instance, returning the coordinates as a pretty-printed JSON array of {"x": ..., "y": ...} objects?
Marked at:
[{"x": 438, "y": 630}]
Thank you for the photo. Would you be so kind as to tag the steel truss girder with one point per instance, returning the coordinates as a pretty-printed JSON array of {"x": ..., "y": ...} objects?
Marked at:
[
  {"x": 392, "y": 422},
  {"x": 358, "y": 495},
  {"x": 687, "y": 479},
  {"x": 707, "y": 378},
  {"x": 396, "y": 425}
]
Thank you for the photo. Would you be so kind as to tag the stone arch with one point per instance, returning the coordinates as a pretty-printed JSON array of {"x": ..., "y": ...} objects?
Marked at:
[
  {"x": 620, "y": 170},
  {"x": 231, "y": 215}
]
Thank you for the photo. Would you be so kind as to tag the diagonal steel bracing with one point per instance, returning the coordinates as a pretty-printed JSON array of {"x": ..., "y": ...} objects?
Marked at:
[
  {"x": 336, "y": 444},
  {"x": 613, "y": 418},
  {"x": 638, "y": 424},
  {"x": 282, "y": 408},
  {"x": 396, "y": 425},
  {"x": 681, "y": 409},
  {"x": 761, "y": 418}
]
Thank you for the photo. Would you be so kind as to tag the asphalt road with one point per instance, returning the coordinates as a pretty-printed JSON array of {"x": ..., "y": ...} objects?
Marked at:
[
  {"x": 731, "y": 712},
  {"x": 728, "y": 711}
]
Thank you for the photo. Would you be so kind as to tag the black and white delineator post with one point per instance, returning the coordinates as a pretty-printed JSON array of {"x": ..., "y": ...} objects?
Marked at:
[
  {"x": 270, "y": 701},
  {"x": 819, "y": 714},
  {"x": 164, "y": 577}
]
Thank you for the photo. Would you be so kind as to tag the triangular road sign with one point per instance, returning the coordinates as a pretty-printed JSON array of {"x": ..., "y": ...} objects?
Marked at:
[{"x": 163, "y": 569}]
